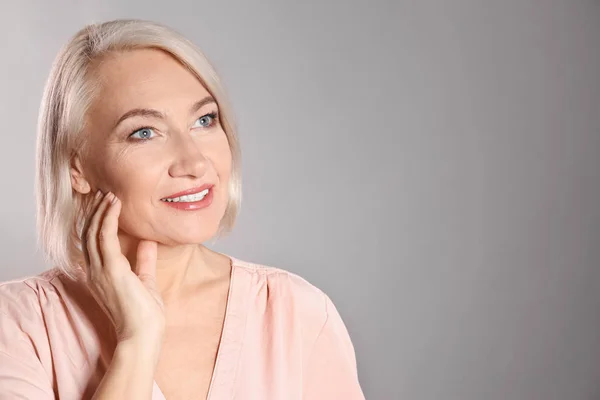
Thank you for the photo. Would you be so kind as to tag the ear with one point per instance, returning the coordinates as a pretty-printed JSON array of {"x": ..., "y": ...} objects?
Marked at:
[{"x": 78, "y": 180}]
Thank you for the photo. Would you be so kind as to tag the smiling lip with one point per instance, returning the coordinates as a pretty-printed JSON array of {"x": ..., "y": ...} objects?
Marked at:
[
  {"x": 194, "y": 205},
  {"x": 190, "y": 191}
]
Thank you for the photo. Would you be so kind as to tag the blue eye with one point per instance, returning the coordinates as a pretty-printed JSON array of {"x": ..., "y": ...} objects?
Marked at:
[
  {"x": 143, "y": 134},
  {"x": 205, "y": 121}
]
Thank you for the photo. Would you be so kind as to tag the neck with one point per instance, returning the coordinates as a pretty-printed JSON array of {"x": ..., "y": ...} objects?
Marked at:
[{"x": 178, "y": 268}]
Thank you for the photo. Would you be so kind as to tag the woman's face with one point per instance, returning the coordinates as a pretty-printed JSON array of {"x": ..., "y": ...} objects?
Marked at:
[{"x": 153, "y": 131}]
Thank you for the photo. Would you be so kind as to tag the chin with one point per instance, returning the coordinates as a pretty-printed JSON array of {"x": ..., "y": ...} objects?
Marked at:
[{"x": 177, "y": 230}]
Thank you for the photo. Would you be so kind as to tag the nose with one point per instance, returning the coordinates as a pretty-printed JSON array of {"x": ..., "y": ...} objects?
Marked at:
[{"x": 188, "y": 158}]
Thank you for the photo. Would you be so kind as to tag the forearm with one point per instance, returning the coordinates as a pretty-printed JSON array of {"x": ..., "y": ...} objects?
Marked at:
[{"x": 130, "y": 374}]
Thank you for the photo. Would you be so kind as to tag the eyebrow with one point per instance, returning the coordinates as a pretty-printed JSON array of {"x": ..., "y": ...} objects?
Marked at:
[{"x": 149, "y": 112}]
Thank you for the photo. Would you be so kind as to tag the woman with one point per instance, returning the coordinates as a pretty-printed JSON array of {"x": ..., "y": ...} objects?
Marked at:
[{"x": 138, "y": 164}]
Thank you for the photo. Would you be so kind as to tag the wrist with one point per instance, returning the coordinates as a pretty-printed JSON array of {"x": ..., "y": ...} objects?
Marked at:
[{"x": 145, "y": 349}]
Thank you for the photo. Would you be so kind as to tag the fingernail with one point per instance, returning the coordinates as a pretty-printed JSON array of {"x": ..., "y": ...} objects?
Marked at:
[{"x": 98, "y": 193}]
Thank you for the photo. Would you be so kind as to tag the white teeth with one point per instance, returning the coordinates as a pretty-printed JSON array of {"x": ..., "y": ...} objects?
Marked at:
[{"x": 188, "y": 198}]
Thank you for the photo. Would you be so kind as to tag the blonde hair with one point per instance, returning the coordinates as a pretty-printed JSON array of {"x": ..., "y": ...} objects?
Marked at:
[{"x": 67, "y": 96}]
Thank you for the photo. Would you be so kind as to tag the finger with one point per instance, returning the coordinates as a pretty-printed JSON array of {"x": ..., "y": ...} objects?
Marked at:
[
  {"x": 108, "y": 240},
  {"x": 92, "y": 236},
  {"x": 146, "y": 263},
  {"x": 89, "y": 211}
]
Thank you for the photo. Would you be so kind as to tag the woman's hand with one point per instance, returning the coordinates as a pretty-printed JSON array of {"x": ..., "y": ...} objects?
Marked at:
[{"x": 130, "y": 299}]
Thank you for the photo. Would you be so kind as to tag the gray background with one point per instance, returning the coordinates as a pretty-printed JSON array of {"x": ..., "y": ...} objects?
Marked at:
[{"x": 432, "y": 165}]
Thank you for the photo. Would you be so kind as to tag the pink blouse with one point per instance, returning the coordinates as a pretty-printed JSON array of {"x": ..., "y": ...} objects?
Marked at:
[{"x": 282, "y": 339}]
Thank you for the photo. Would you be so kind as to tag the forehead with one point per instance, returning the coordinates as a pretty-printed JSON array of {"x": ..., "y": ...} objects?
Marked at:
[{"x": 144, "y": 78}]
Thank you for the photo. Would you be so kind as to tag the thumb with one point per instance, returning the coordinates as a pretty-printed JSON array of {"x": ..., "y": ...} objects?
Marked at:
[{"x": 146, "y": 263}]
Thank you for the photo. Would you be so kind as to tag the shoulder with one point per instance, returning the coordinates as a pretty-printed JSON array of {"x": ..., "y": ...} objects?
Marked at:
[
  {"x": 287, "y": 301},
  {"x": 22, "y": 311},
  {"x": 23, "y": 294},
  {"x": 286, "y": 292},
  {"x": 26, "y": 368},
  {"x": 284, "y": 283}
]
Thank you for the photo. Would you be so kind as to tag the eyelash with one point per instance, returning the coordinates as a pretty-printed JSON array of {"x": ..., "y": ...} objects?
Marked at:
[{"x": 212, "y": 115}]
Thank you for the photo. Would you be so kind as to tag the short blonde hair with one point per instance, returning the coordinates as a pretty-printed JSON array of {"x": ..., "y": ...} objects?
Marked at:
[{"x": 67, "y": 96}]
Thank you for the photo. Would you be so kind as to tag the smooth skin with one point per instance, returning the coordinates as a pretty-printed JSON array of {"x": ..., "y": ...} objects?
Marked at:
[{"x": 163, "y": 290}]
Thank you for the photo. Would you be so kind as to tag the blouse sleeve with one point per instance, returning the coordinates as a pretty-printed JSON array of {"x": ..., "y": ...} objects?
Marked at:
[
  {"x": 22, "y": 375},
  {"x": 332, "y": 372}
]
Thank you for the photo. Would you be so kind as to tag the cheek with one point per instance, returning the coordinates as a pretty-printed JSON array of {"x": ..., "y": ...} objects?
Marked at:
[
  {"x": 135, "y": 182},
  {"x": 131, "y": 176},
  {"x": 222, "y": 160}
]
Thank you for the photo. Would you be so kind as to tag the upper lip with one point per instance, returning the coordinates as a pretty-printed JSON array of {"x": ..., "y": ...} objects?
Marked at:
[{"x": 193, "y": 190}]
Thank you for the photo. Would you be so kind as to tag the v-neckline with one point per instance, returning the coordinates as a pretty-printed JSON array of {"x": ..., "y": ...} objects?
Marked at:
[{"x": 228, "y": 348}]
